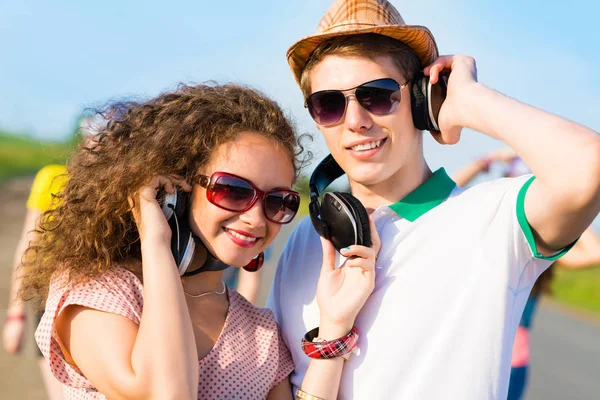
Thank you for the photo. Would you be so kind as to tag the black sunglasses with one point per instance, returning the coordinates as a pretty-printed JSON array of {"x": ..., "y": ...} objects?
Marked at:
[
  {"x": 380, "y": 97},
  {"x": 233, "y": 193}
]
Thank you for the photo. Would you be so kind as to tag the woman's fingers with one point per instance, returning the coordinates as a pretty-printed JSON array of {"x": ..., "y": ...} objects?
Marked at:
[
  {"x": 328, "y": 256},
  {"x": 357, "y": 262},
  {"x": 360, "y": 256},
  {"x": 177, "y": 180},
  {"x": 358, "y": 251},
  {"x": 168, "y": 183}
]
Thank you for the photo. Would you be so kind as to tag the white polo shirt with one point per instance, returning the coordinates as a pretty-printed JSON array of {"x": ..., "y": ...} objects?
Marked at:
[{"x": 454, "y": 273}]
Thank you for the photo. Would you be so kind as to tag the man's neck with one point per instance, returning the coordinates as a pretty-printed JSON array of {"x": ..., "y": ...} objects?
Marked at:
[{"x": 393, "y": 189}]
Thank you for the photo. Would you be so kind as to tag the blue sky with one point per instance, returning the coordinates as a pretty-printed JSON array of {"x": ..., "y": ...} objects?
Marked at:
[{"x": 59, "y": 57}]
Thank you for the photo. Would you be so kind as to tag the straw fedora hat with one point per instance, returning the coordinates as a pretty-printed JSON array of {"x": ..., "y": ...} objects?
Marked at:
[{"x": 350, "y": 17}]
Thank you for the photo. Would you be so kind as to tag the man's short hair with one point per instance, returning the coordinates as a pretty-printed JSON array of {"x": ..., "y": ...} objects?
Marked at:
[{"x": 368, "y": 45}]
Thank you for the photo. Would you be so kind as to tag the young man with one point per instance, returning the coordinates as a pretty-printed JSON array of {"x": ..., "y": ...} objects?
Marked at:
[{"x": 455, "y": 266}]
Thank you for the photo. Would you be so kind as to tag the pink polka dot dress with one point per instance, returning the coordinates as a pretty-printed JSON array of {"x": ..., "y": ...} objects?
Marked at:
[{"x": 248, "y": 359}]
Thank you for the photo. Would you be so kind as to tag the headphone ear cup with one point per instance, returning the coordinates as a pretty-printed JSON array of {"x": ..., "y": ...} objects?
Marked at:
[
  {"x": 361, "y": 217},
  {"x": 419, "y": 104},
  {"x": 436, "y": 96},
  {"x": 182, "y": 240}
]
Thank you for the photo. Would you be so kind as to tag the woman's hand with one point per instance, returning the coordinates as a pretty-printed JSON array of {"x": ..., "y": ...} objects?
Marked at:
[
  {"x": 147, "y": 212},
  {"x": 462, "y": 77},
  {"x": 342, "y": 292}
]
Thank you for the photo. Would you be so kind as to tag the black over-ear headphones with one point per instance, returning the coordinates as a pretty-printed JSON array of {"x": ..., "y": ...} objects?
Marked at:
[
  {"x": 340, "y": 218},
  {"x": 426, "y": 101},
  {"x": 183, "y": 240}
]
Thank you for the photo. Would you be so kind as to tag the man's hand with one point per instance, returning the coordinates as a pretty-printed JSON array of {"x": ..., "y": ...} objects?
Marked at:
[{"x": 462, "y": 73}]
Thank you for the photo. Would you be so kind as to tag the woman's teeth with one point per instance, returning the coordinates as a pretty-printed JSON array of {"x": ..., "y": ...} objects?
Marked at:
[{"x": 243, "y": 237}]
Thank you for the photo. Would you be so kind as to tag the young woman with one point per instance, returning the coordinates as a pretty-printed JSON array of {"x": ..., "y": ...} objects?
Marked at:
[{"x": 123, "y": 319}]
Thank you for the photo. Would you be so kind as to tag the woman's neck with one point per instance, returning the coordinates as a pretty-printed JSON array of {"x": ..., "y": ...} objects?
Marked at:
[{"x": 204, "y": 282}]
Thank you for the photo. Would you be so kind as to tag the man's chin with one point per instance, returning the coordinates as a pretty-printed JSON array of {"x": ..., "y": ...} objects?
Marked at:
[{"x": 369, "y": 176}]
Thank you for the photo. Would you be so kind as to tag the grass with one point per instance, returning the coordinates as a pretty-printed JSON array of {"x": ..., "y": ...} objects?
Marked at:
[
  {"x": 22, "y": 155},
  {"x": 578, "y": 288},
  {"x": 303, "y": 210}
]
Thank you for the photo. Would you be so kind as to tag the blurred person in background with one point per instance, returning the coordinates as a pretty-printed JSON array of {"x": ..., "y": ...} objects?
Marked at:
[
  {"x": 47, "y": 184},
  {"x": 585, "y": 253}
]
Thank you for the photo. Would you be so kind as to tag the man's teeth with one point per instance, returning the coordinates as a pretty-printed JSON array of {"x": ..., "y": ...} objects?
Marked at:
[
  {"x": 243, "y": 237},
  {"x": 367, "y": 146}
]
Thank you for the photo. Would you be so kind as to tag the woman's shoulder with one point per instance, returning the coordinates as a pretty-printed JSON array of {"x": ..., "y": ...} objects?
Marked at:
[
  {"x": 116, "y": 290},
  {"x": 261, "y": 316},
  {"x": 113, "y": 277}
]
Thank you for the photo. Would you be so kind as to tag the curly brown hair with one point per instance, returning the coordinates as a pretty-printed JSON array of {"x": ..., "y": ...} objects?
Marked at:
[{"x": 92, "y": 227}]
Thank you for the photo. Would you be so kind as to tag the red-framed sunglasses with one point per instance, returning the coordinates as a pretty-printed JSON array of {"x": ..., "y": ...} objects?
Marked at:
[{"x": 233, "y": 193}]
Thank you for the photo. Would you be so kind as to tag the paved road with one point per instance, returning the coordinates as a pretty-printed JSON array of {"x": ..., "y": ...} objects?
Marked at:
[
  {"x": 565, "y": 356},
  {"x": 565, "y": 348}
]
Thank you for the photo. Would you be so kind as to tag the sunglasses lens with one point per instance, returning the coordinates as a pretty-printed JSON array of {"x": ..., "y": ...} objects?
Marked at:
[
  {"x": 236, "y": 194},
  {"x": 379, "y": 97},
  {"x": 231, "y": 193},
  {"x": 281, "y": 207},
  {"x": 326, "y": 107}
]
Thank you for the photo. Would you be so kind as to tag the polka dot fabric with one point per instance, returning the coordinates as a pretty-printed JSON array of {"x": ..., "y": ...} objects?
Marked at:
[
  {"x": 247, "y": 361},
  {"x": 249, "y": 358}
]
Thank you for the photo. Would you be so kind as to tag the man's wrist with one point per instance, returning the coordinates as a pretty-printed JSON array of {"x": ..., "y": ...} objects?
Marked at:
[{"x": 469, "y": 105}]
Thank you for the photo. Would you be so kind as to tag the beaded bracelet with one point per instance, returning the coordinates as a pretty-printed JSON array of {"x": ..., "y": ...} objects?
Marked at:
[{"x": 324, "y": 349}]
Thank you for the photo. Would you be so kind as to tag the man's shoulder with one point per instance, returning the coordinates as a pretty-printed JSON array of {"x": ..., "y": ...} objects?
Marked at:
[{"x": 489, "y": 189}]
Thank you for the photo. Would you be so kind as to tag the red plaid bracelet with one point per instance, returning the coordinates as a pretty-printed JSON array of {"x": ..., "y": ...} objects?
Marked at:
[{"x": 324, "y": 349}]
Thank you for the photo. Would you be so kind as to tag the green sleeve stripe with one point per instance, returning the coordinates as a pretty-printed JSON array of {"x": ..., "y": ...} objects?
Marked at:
[{"x": 522, "y": 218}]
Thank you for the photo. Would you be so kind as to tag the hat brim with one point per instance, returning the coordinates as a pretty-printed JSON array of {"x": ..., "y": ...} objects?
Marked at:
[{"x": 418, "y": 38}]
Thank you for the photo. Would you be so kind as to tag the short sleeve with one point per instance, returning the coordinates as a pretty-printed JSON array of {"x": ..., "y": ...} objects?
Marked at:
[
  {"x": 117, "y": 291},
  {"x": 526, "y": 228},
  {"x": 49, "y": 181},
  {"x": 504, "y": 230}
]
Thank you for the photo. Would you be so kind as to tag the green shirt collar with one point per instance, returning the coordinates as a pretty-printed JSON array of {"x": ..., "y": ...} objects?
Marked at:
[{"x": 429, "y": 195}]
